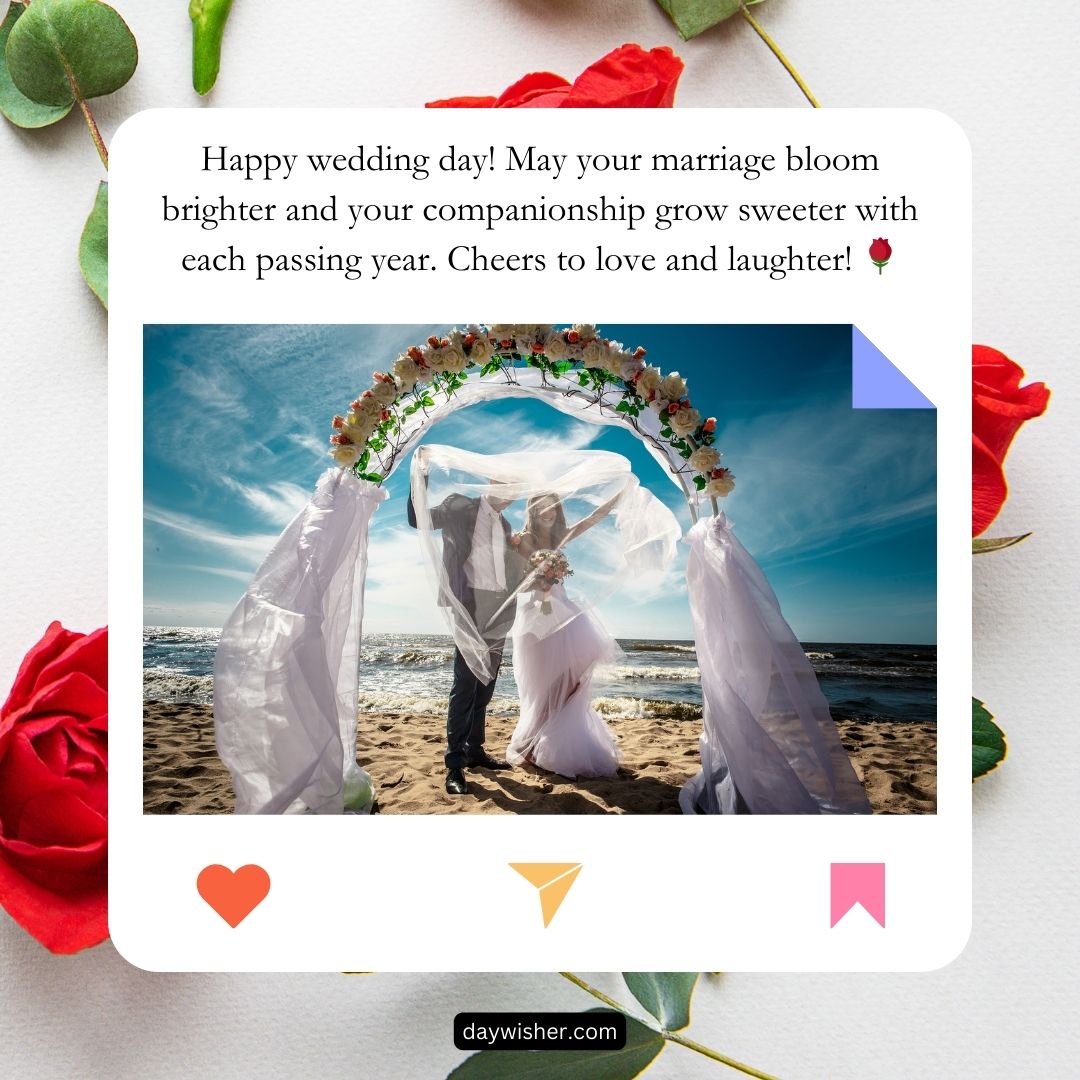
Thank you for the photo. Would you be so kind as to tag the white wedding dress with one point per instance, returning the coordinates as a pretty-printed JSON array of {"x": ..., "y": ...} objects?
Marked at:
[{"x": 555, "y": 655}]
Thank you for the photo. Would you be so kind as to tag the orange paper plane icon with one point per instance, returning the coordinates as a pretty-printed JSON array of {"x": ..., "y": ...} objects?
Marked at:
[{"x": 553, "y": 879}]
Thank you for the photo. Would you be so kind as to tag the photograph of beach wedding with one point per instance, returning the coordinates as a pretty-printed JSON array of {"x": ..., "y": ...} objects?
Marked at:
[{"x": 533, "y": 569}]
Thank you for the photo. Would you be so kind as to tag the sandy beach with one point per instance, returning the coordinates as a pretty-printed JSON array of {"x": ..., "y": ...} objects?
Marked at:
[{"x": 182, "y": 773}]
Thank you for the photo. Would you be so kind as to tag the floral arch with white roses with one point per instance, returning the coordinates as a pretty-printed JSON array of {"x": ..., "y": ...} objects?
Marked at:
[
  {"x": 286, "y": 673},
  {"x": 572, "y": 368}
]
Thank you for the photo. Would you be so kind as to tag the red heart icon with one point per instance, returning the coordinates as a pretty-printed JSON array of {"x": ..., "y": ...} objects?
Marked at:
[{"x": 233, "y": 894}]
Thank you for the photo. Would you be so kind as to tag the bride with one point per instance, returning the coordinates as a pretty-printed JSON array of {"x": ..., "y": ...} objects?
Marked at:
[{"x": 557, "y": 645}]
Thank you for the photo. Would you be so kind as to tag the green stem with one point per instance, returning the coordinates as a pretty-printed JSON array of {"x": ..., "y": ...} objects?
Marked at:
[
  {"x": 598, "y": 994},
  {"x": 671, "y": 1036},
  {"x": 776, "y": 51},
  {"x": 748, "y": 1070},
  {"x": 95, "y": 133}
]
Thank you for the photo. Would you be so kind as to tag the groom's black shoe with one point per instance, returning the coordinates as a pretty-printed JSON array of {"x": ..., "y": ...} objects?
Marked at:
[
  {"x": 455, "y": 782},
  {"x": 486, "y": 761}
]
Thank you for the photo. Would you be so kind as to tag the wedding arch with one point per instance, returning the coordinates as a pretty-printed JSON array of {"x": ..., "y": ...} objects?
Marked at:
[{"x": 286, "y": 674}]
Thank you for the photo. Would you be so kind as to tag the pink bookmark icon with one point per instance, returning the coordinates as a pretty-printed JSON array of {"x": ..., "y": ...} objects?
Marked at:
[{"x": 857, "y": 883}]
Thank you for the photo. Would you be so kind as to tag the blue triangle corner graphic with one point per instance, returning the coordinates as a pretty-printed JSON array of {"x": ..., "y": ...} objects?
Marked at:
[{"x": 876, "y": 382}]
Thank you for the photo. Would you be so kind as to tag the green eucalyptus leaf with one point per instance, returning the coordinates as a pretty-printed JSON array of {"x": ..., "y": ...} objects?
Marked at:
[
  {"x": 62, "y": 51},
  {"x": 641, "y": 1049},
  {"x": 665, "y": 994},
  {"x": 692, "y": 17},
  {"x": 94, "y": 246},
  {"x": 14, "y": 104},
  {"x": 979, "y": 546},
  {"x": 987, "y": 741},
  {"x": 208, "y": 19}
]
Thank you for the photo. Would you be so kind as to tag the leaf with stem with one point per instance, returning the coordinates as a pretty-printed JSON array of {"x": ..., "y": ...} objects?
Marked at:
[
  {"x": 665, "y": 994},
  {"x": 66, "y": 51},
  {"x": 14, "y": 104},
  {"x": 94, "y": 246}
]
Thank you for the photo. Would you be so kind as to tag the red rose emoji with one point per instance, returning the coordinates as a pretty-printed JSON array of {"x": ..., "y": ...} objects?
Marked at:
[
  {"x": 628, "y": 77},
  {"x": 53, "y": 791},
  {"x": 999, "y": 405},
  {"x": 880, "y": 253}
]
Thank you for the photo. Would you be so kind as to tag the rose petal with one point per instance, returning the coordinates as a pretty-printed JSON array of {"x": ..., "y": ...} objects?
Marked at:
[
  {"x": 628, "y": 77},
  {"x": 62, "y": 923},
  {"x": 538, "y": 82},
  {"x": 88, "y": 653},
  {"x": 55, "y": 821},
  {"x": 545, "y": 99},
  {"x": 74, "y": 693},
  {"x": 988, "y": 488},
  {"x": 24, "y": 776},
  {"x": 462, "y": 103},
  {"x": 54, "y": 641}
]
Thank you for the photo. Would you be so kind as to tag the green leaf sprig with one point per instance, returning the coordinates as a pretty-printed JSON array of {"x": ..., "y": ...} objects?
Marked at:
[
  {"x": 54, "y": 55},
  {"x": 665, "y": 995}
]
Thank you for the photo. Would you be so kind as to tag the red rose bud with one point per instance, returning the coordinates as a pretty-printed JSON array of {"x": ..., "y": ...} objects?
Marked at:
[
  {"x": 367, "y": 394},
  {"x": 338, "y": 422},
  {"x": 341, "y": 440},
  {"x": 639, "y": 352},
  {"x": 505, "y": 343},
  {"x": 573, "y": 337},
  {"x": 709, "y": 426},
  {"x": 433, "y": 341},
  {"x": 445, "y": 341},
  {"x": 470, "y": 338},
  {"x": 880, "y": 253},
  {"x": 385, "y": 414},
  {"x": 355, "y": 405},
  {"x": 673, "y": 408},
  {"x": 415, "y": 354}
]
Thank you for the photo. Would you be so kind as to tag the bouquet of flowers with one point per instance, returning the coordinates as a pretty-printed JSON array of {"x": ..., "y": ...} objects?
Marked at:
[{"x": 550, "y": 568}]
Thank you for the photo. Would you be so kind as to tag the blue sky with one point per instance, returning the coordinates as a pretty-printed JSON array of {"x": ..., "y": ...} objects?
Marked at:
[{"x": 836, "y": 504}]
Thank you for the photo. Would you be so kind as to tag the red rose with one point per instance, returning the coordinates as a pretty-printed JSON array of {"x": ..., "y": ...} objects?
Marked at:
[
  {"x": 53, "y": 791},
  {"x": 628, "y": 77},
  {"x": 999, "y": 405},
  {"x": 880, "y": 253}
]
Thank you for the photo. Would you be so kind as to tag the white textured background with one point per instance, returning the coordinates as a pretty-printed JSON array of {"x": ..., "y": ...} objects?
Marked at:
[{"x": 1008, "y": 73}]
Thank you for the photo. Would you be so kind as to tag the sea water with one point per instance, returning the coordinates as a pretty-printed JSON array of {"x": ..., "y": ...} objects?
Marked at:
[{"x": 412, "y": 673}]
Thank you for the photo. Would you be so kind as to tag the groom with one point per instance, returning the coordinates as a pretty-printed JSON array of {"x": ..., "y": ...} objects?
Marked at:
[{"x": 483, "y": 569}]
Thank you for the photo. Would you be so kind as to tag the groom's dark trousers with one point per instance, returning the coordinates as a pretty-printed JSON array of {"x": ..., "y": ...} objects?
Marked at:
[{"x": 469, "y": 699}]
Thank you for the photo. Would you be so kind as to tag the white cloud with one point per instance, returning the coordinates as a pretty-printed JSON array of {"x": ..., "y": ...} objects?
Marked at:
[
  {"x": 279, "y": 502},
  {"x": 251, "y": 548}
]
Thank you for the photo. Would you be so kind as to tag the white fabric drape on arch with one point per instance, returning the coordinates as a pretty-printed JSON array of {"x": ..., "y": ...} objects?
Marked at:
[
  {"x": 769, "y": 744},
  {"x": 286, "y": 673}
]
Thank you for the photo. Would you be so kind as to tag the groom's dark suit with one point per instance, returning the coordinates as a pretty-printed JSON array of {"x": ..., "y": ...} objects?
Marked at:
[{"x": 456, "y": 518}]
